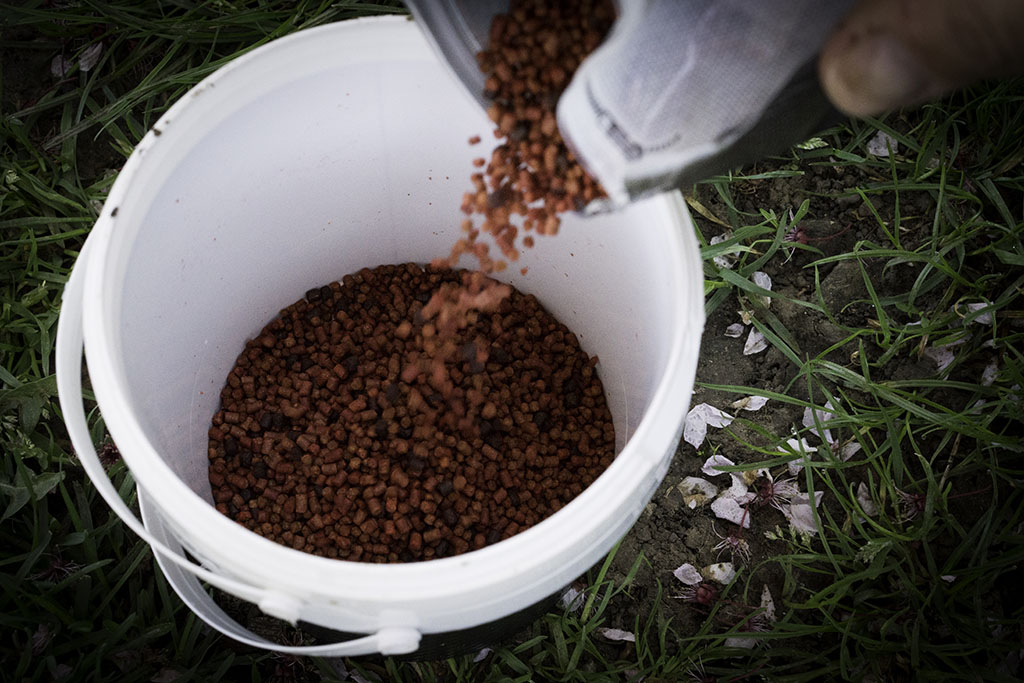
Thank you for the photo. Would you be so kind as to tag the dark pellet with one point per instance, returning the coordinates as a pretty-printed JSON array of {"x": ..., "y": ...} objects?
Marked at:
[{"x": 387, "y": 464}]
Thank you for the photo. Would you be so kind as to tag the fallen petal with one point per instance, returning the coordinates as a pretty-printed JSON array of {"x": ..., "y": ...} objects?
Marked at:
[
  {"x": 729, "y": 509},
  {"x": 712, "y": 464},
  {"x": 482, "y": 655},
  {"x": 984, "y": 318},
  {"x": 738, "y": 488},
  {"x": 881, "y": 144},
  {"x": 702, "y": 415},
  {"x": 864, "y": 499},
  {"x": 849, "y": 449},
  {"x": 716, "y": 417},
  {"x": 735, "y": 330},
  {"x": 90, "y": 56},
  {"x": 800, "y": 511},
  {"x": 823, "y": 417},
  {"x": 805, "y": 498},
  {"x": 989, "y": 374},
  {"x": 763, "y": 281},
  {"x": 695, "y": 429},
  {"x": 798, "y": 447},
  {"x": 688, "y": 574},
  {"x": 755, "y": 343},
  {"x": 750, "y": 403},
  {"x": 723, "y": 260},
  {"x": 767, "y": 604},
  {"x": 59, "y": 66},
  {"x": 722, "y": 572},
  {"x": 697, "y": 492},
  {"x": 948, "y": 578},
  {"x": 617, "y": 634},
  {"x": 747, "y": 643},
  {"x": 800, "y": 517},
  {"x": 942, "y": 355},
  {"x": 572, "y": 599}
]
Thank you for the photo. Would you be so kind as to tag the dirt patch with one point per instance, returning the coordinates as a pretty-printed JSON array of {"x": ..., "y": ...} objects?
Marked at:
[{"x": 669, "y": 533}]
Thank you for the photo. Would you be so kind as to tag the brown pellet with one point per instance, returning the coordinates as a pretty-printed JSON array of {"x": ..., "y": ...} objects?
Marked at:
[
  {"x": 532, "y": 52},
  {"x": 383, "y": 468}
]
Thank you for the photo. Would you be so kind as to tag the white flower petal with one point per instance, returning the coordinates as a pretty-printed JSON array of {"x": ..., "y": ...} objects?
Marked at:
[
  {"x": 616, "y": 634},
  {"x": 745, "y": 317},
  {"x": 688, "y": 574},
  {"x": 722, "y": 572},
  {"x": 849, "y": 449},
  {"x": 695, "y": 428},
  {"x": 90, "y": 56},
  {"x": 718, "y": 418},
  {"x": 942, "y": 355},
  {"x": 572, "y": 599},
  {"x": 59, "y": 66},
  {"x": 755, "y": 343},
  {"x": 800, "y": 512},
  {"x": 729, "y": 509},
  {"x": 881, "y": 144},
  {"x": 823, "y": 417},
  {"x": 767, "y": 604},
  {"x": 696, "y": 491},
  {"x": 983, "y": 319},
  {"x": 735, "y": 330},
  {"x": 800, "y": 447},
  {"x": 989, "y": 374},
  {"x": 864, "y": 499},
  {"x": 763, "y": 281},
  {"x": 750, "y": 403},
  {"x": 482, "y": 655},
  {"x": 805, "y": 498},
  {"x": 746, "y": 643},
  {"x": 948, "y": 578},
  {"x": 738, "y": 488},
  {"x": 800, "y": 517},
  {"x": 726, "y": 260},
  {"x": 711, "y": 465}
]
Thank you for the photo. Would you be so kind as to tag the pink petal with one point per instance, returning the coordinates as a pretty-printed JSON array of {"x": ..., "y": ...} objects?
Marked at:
[{"x": 688, "y": 574}]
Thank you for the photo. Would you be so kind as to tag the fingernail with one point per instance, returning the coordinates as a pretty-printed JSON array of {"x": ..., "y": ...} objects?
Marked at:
[{"x": 875, "y": 73}]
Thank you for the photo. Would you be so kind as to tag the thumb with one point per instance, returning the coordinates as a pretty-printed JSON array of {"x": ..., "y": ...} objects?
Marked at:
[{"x": 891, "y": 53}]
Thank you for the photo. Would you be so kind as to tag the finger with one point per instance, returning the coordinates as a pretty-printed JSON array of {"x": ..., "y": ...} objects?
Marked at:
[{"x": 891, "y": 53}]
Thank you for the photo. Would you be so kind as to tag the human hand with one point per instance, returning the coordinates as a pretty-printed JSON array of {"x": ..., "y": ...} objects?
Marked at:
[{"x": 891, "y": 53}]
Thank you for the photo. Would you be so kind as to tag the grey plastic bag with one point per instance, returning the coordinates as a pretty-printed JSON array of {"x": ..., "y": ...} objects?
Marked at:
[{"x": 680, "y": 90}]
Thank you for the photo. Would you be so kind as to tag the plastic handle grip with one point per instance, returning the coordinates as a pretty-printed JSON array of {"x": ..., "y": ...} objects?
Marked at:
[{"x": 183, "y": 574}]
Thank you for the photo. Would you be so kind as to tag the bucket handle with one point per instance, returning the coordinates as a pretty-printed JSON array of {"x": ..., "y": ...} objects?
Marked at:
[{"x": 181, "y": 573}]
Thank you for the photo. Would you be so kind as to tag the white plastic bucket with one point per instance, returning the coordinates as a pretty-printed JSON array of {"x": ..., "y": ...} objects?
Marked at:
[{"x": 324, "y": 152}]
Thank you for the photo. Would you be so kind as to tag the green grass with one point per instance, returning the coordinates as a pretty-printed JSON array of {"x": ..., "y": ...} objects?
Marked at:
[{"x": 82, "y": 597}]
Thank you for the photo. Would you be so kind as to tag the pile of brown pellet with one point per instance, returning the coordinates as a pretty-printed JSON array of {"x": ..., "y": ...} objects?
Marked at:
[
  {"x": 327, "y": 443},
  {"x": 532, "y": 54}
]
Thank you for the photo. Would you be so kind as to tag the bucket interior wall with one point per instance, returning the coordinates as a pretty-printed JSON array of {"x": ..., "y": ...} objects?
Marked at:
[{"x": 348, "y": 168}]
